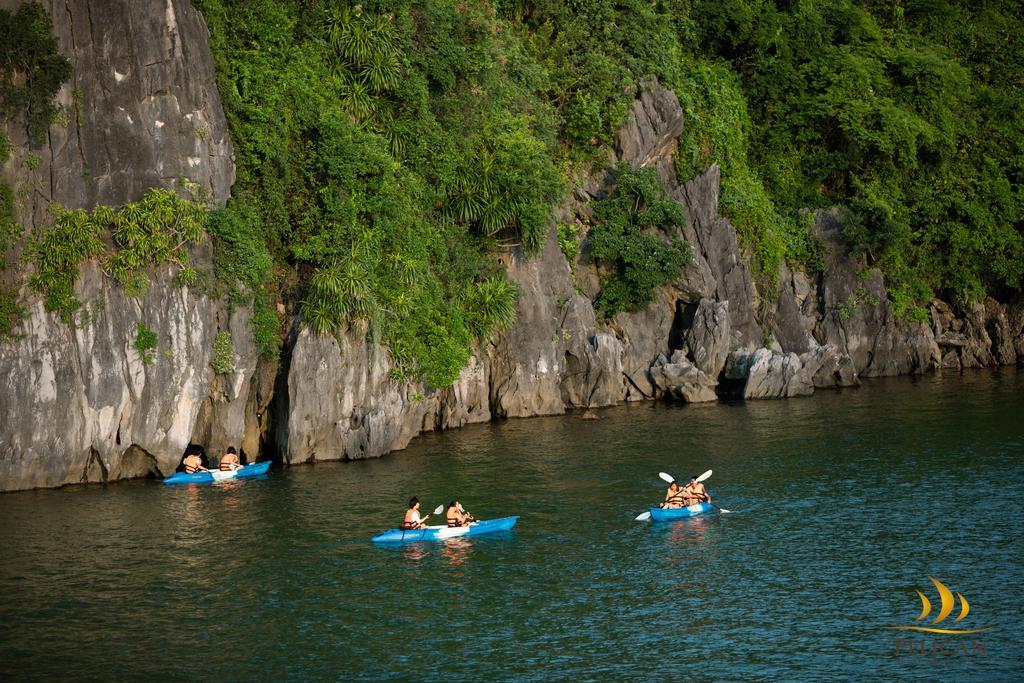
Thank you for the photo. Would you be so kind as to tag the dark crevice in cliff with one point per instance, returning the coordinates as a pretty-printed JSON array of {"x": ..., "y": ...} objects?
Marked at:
[
  {"x": 274, "y": 439},
  {"x": 633, "y": 384},
  {"x": 681, "y": 322},
  {"x": 94, "y": 459}
]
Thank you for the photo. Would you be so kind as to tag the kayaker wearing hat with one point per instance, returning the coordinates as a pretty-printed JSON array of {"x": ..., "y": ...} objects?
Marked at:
[
  {"x": 674, "y": 496},
  {"x": 457, "y": 515},
  {"x": 694, "y": 492},
  {"x": 412, "y": 515}
]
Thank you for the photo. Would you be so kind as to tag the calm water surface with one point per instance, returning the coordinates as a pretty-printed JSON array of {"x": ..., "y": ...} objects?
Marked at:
[{"x": 844, "y": 504}]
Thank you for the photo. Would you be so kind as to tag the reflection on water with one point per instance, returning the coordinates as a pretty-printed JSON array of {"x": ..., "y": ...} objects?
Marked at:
[
  {"x": 457, "y": 550},
  {"x": 842, "y": 494},
  {"x": 690, "y": 532},
  {"x": 415, "y": 551}
]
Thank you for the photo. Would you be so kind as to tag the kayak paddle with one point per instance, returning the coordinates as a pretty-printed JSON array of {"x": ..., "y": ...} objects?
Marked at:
[
  {"x": 644, "y": 516},
  {"x": 438, "y": 510},
  {"x": 669, "y": 478}
]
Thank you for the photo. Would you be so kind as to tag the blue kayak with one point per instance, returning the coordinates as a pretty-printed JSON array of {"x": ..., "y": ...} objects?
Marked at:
[
  {"x": 254, "y": 470},
  {"x": 662, "y": 515},
  {"x": 439, "y": 533}
]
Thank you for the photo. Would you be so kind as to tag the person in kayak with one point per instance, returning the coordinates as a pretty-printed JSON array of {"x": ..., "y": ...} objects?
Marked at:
[
  {"x": 193, "y": 463},
  {"x": 456, "y": 515},
  {"x": 412, "y": 515},
  {"x": 229, "y": 461},
  {"x": 673, "y": 497},
  {"x": 694, "y": 492}
]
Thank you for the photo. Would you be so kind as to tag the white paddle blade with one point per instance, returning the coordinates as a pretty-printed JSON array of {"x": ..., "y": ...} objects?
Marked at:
[
  {"x": 643, "y": 516},
  {"x": 668, "y": 477},
  {"x": 439, "y": 509},
  {"x": 704, "y": 476}
]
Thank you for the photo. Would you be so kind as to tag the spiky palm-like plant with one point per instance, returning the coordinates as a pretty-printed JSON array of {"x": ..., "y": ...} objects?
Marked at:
[
  {"x": 491, "y": 306},
  {"x": 356, "y": 99},
  {"x": 366, "y": 59}
]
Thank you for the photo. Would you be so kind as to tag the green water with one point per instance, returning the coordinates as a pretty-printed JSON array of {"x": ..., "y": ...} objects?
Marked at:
[{"x": 844, "y": 504}]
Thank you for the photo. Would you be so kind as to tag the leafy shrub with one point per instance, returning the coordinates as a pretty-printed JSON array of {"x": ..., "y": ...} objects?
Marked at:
[
  {"x": 266, "y": 329},
  {"x": 154, "y": 230},
  {"x": 569, "y": 242},
  {"x": 57, "y": 253},
  {"x": 635, "y": 241},
  {"x": 151, "y": 231},
  {"x": 145, "y": 343},
  {"x": 11, "y": 313},
  {"x": 241, "y": 258},
  {"x": 509, "y": 182},
  {"x": 223, "y": 353},
  {"x": 187, "y": 277},
  {"x": 491, "y": 306},
  {"x": 31, "y": 68}
]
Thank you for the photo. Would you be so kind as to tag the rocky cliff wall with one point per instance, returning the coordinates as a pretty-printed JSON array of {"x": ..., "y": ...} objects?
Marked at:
[
  {"x": 78, "y": 404},
  {"x": 702, "y": 337},
  {"x": 141, "y": 110}
]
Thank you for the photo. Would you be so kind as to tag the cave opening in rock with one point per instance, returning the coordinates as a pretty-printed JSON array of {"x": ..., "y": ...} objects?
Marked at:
[{"x": 138, "y": 463}]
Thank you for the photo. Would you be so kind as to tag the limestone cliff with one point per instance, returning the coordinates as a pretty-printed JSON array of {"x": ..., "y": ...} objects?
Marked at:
[
  {"x": 78, "y": 404},
  {"x": 141, "y": 110},
  {"x": 701, "y": 338}
]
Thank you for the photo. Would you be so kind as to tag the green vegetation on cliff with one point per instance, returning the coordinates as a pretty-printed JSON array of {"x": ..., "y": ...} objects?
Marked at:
[
  {"x": 627, "y": 241},
  {"x": 31, "y": 69},
  {"x": 383, "y": 154},
  {"x": 388, "y": 151},
  {"x": 908, "y": 113},
  {"x": 152, "y": 231}
]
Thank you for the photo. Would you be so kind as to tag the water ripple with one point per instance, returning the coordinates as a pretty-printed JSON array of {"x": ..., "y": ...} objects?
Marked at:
[{"x": 844, "y": 504}]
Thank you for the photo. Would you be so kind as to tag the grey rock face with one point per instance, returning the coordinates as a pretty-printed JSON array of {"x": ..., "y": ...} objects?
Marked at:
[
  {"x": 987, "y": 333},
  {"x": 679, "y": 379},
  {"x": 79, "y": 404},
  {"x": 707, "y": 337},
  {"x": 231, "y": 414},
  {"x": 528, "y": 362},
  {"x": 719, "y": 270},
  {"x": 344, "y": 405},
  {"x": 846, "y": 307},
  {"x": 796, "y": 312},
  {"x": 652, "y": 127},
  {"x": 142, "y": 109},
  {"x": 645, "y": 337},
  {"x": 770, "y": 374}
]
